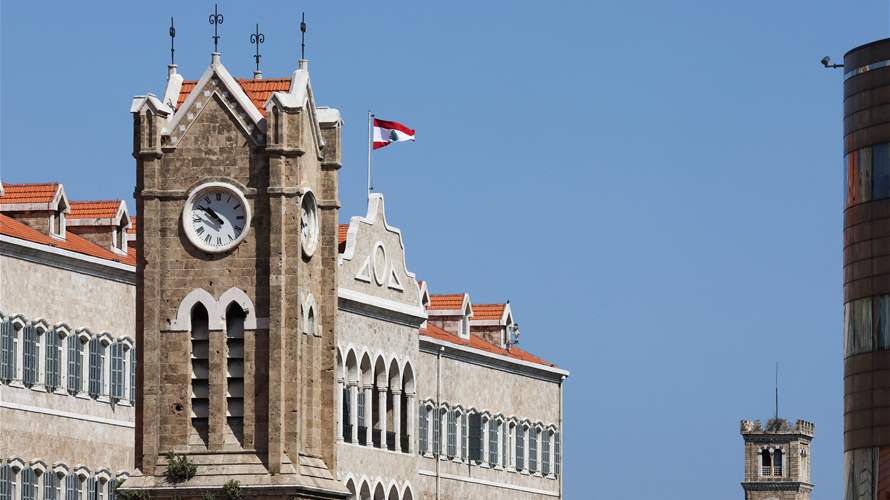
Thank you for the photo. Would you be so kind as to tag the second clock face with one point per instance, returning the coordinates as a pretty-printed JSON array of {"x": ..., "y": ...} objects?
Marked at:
[{"x": 216, "y": 217}]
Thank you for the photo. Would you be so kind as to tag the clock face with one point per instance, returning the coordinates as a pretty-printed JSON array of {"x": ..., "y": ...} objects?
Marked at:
[
  {"x": 308, "y": 223},
  {"x": 216, "y": 217}
]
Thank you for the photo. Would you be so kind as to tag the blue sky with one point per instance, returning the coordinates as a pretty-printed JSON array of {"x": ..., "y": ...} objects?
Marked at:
[{"x": 656, "y": 187}]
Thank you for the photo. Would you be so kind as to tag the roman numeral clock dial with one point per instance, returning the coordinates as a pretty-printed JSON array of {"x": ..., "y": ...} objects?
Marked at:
[{"x": 216, "y": 217}]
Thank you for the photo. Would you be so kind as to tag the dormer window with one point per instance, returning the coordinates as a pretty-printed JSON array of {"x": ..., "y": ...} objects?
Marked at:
[
  {"x": 57, "y": 222},
  {"x": 120, "y": 237},
  {"x": 465, "y": 324}
]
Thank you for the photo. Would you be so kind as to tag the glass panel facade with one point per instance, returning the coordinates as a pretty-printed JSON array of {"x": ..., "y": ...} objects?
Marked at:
[
  {"x": 860, "y": 468},
  {"x": 858, "y": 337},
  {"x": 867, "y": 175}
]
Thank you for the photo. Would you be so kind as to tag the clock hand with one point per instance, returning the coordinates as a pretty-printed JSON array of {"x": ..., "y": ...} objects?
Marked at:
[{"x": 209, "y": 211}]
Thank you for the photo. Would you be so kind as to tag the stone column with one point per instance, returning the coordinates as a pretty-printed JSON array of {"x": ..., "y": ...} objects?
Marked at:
[
  {"x": 381, "y": 414},
  {"x": 339, "y": 415},
  {"x": 353, "y": 412},
  {"x": 397, "y": 418},
  {"x": 412, "y": 423},
  {"x": 369, "y": 414},
  {"x": 485, "y": 447}
]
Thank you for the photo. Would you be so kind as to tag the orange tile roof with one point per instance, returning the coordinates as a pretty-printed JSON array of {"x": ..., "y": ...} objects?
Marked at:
[
  {"x": 133, "y": 221},
  {"x": 101, "y": 209},
  {"x": 342, "y": 229},
  {"x": 446, "y": 301},
  {"x": 257, "y": 90},
  {"x": 72, "y": 242},
  {"x": 475, "y": 342},
  {"x": 488, "y": 311},
  {"x": 28, "y": 193}
]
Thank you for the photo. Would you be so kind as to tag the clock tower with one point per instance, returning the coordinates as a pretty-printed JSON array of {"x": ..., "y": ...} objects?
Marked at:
[{"x": 236, "y": 291}]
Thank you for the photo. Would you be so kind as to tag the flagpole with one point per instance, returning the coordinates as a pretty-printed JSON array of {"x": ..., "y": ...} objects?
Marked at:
[{"x": 370, "y": 139}]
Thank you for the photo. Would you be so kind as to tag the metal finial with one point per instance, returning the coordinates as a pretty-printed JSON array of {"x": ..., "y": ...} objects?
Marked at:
[
  {"x": 172, "y": 36},
  {"x": 256, "y": 39},
  {"x": 303, "y": 36},
  {"x": 216, "y": 19}
]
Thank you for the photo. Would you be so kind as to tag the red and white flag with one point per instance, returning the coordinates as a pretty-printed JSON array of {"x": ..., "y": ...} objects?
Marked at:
[{"x": 387, "y": 132}]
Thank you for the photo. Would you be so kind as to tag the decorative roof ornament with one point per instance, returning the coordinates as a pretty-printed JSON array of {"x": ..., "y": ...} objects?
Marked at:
[
  {"x": 215, "y": 19},
  {"x": 256, "y": 39},
  {"x": 303, "y": 36},
  {"x": 172, "y": 32}
]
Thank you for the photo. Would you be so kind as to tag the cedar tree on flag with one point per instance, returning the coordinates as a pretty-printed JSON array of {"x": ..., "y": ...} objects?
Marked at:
[{"x": 386, "y": 132}]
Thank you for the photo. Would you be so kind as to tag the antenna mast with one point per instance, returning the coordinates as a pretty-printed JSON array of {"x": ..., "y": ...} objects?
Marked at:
[
  {"x": 303, "y": 36},
  {"x": 215, "y": 19},
  {"x": 777, "y": 390},
  {"x": 172, "y": 32}
]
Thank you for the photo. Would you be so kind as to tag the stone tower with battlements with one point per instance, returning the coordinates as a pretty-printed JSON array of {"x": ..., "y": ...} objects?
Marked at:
[
  {"x": 236, "y": 288},
  {"x": 777, "y": 460}
]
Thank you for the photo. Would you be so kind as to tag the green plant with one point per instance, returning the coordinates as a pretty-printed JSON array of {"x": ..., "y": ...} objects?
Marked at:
[
  {"x": 207, "y": 496},
  {"x": 232, "y": 489},
  {"x": 179, "y": 468}
]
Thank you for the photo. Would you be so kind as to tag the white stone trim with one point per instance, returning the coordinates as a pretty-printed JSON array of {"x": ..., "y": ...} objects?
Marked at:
[
  {"x": 67, "y": 414},
  {"x": 498, "y": 357},
  {"x": 466, "y": 479},
  {"x": 382, "y": 303}
]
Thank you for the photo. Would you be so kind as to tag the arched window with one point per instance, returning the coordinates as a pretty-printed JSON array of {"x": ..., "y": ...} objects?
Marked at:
[
  {"x": 7, "y": 483},
  {"x": 30, "y": 348},
  {"x": 29, "y": 484},
  {"x": 777, "y": 463},
  {"x": 766, "y": 463},
  {"x": 53, "y": 360},
  {"x": 75, "y": 364},
  {"x": 97, "y": 361},
  {"x": 200, "y": 371},
  {"x": 94, "y": 492},
  {"x": 7, "y": 350},
  {"x": 235, "y": 370}
]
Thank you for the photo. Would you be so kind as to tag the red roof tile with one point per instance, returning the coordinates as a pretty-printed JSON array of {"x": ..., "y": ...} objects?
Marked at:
[
  {"x": 133, "y": 221},
  {"x": 102, "y": 209},
  {"x": 342, "y": 229},
  {"x": 446, "y": 301},
  {"x": 257, "y": 90},
  {"x": 72, "y": 242},
  {"x": 488, "y": 311},
  {"x": 28, "y": 193},
  {"x": 475, "y": 342}
]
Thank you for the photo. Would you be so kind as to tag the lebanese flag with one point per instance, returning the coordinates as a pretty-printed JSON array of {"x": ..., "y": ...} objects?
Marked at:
[{"x": 386, "y": 133}]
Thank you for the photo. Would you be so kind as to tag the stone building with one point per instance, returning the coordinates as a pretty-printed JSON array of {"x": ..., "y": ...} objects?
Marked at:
[
  {"x": 236, "y": 323},
  {"x": 778, "y": 460},
  {"x": 67, "y": 358}
]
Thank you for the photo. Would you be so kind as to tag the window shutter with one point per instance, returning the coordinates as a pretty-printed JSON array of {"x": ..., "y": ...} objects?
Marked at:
[
  {"x": 545, "y": 453},
  {"x": 520, "y": 448},
  {"x": 112, "y": 489},
  {"x": 72, "y": 487},
  {"x": 73, "y": 367},
  {"x": 92, "y": 490},
  {"x": 422, "y": 432},
  {"x": 117, "y": 371},
  {"x": 437, "y": 427},
  {"x": 475, "y": 437},
  {"x": 492, "y": 442},
  {"x": 7, "y": 355},
  {"x": 28, "y": 486},
  {"x": 50, "y": 484},
  {"x": 95, "y": 382},
  {"x": 556, "y": 453},
  {"x": 132, "y": 374},
  {"x": 5, "y": 475},
  {"x": 51, "y": 340},
  {"x": 29, "y": 356},
  {"x": 533, "y": 450},
  {"x": 452, "y": 434}
]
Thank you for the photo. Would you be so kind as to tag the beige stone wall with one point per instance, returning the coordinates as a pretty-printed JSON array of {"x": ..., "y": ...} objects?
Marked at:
[{"x": 61, "y": 296}]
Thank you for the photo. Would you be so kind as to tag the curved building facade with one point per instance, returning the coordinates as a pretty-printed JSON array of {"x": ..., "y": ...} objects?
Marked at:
[{"x": 867, "y": 270}]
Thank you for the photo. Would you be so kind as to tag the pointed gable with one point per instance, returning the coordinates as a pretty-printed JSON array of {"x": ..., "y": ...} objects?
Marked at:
[
  {"x": 218, "y": 84},
  {"x": 372, "y": 265}
]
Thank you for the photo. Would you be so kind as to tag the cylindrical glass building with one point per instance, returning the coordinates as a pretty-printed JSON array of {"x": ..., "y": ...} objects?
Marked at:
[{"x": 867, "y": 271}]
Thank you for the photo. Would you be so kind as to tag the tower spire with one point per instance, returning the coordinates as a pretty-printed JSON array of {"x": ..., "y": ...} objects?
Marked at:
[
  {"x": 257, "y": 38},
  {"x": 303, "y": 36},
  {"x": 215, "y": 19},
  {"x": 172, "y": 32}
]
